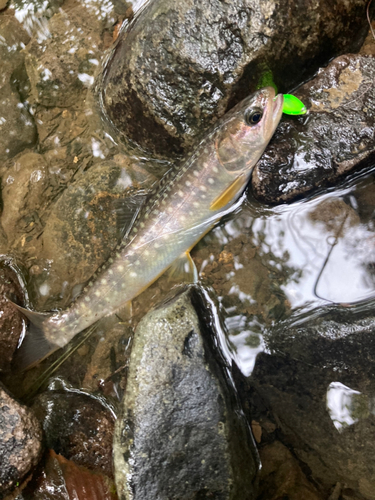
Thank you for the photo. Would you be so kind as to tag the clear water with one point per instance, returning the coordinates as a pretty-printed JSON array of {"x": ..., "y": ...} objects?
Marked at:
[{"x": 261, "y": 265}]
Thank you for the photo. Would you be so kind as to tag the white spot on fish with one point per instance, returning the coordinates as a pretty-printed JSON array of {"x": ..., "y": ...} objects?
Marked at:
[
  {"x": 133, "y": 274},
  {"x": 87, "y": 299},
  {"x": 44, "y": 289},
  {"x": 188, "y": 183},
  {"x": 195, "y": 204},
  {"x": 182, "y": 218},
  {"x": 196, "y": 173},
  {"x": 203, "y": 196},
  {"x": 137, "y": 262},
  {"x": 210, "y": 180},
  {"x": 120, "y": 268},
  {"x": 203, "y": 188},
  {"x": 180, "y": 194},
  {"x": 103, "y": 282},
  {"x": 97, "y": 293},
  {"x": 110, "y": 272},
  {"x": 170, "y": 209},
  {"x": 215, "y": 170}
]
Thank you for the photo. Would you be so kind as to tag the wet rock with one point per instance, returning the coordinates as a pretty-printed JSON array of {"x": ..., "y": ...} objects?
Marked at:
[
  {"x": 20, "y": 442},
  {"x": 23, "y": 187},
  {"x": 60, "y": 66},
  {"x": 17, "y": 128},
  {"x": 78, "y": 427},
  {"x": 182, "y": 433},
  {"x": 81, "y": 230},
  {"x": 318, "y": 382},
  {"x": 282, "y": 477},
  {"x": 14, "y": 39},
  {"x": 180, "y": 66},
  {"x": 11, "y": 322},
  {"x": 336, "y": 137}
]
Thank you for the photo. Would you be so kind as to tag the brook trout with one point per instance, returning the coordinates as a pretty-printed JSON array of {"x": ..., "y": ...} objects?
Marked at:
[{"x": 187, "y": 203}]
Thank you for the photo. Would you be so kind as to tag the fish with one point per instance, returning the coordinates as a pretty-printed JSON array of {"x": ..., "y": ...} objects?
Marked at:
[{"x": 187, "y": 202}]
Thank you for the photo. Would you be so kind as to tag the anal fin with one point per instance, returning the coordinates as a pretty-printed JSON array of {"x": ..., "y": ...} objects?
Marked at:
[{"x": 183, "y": 269}]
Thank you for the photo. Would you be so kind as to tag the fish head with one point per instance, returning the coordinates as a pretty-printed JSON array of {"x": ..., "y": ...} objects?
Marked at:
[{"x": 246, "y": 130}]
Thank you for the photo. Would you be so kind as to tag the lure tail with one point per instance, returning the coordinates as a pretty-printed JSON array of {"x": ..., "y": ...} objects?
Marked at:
[{"x": 35, "y": 346}]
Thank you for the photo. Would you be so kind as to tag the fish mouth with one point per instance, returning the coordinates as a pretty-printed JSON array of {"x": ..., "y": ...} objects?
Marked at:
[
  {"x": 277, "y": 107},
  {"x": 274, "y": 110}
]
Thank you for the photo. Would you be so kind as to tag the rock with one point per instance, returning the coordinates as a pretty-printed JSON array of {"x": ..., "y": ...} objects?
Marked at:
[
  {"x": 23, "y": 187},
  {"x": 336, "y": 137},
  {"x": 14, "y": 38},
  {"x": 282, "y": 477},
  {"x": 20, "y": 442},
  {"x": 78, "y": 427},
  {"x": 60, "y": 66},
  {"x": 82, "y": 230},
  {"x": 3, "y": 4},
  {"x": 318, "y": 382},
  {"x": 11, "y": 321},
  {"x": 17, "y": 127},
  {"x": 182, "y": 433},
  {"x": 181, "y": 66}
]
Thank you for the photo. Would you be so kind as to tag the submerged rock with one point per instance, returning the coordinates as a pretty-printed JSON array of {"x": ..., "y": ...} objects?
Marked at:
[
  {"x": 182, "y": 433},
  {"x": 23, "y": 188},
  {"x": 180, "y": 66},
  {"x": 60, "y": 66},
  {"x": 78, "y": 427},
  {"x": 82, "y": 230},
  {"x": 318, "y": 382},
  {"x": 20, "y": 442},
  {"x": 17, "y": 127},
  {"x": 336, "y": 137},
  {"x": 11, "y": 322}
]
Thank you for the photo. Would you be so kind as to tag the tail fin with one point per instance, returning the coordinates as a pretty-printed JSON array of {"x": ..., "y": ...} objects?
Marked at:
[{"x": 35, "y": 346}]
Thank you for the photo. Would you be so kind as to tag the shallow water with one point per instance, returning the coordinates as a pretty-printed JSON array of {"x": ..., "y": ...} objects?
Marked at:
[{"x": 261, "y": 265}]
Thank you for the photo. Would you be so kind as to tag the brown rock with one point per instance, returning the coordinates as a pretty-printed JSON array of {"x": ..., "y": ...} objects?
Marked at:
[{"x": 20, "y": 442}]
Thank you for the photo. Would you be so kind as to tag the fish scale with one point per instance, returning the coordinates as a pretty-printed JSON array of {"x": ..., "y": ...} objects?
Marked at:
[{"x": 184, "y": 206}]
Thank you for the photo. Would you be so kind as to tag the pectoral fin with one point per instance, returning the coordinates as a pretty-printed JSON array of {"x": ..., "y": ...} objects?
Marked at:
[
  {"x": 229, "y": 194},
  {"x": 183, "y": 269}
]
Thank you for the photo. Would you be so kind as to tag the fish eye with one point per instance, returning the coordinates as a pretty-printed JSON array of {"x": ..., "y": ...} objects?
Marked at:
[{"x": 253, "y": 116}]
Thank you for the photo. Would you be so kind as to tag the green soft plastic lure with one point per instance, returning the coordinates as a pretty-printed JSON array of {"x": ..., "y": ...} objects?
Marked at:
[{"x": 293, "y": 106}]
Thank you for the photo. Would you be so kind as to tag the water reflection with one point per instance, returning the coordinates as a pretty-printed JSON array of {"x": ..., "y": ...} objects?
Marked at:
[
  {"x": 346, "y": 406},
  {"x": 268, "y": 264}
]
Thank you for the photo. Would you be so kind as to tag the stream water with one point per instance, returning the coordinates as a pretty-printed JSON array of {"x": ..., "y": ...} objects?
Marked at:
[{"x": 261, "y": 267}]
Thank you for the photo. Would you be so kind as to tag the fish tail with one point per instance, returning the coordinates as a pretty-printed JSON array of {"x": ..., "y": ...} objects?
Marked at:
[{"x": 36, "y": 345}]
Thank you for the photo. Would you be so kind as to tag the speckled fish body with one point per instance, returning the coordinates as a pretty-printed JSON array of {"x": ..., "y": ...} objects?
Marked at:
[{"x": 185, "y": 205}]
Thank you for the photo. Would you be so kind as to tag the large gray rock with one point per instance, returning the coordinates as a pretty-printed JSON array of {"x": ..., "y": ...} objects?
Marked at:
[
  {"x": 20, "y": 442},
  {"x": 336, "y": 137},
  {"x": 318, "y": 381},
  {"x": 181, "y": 65},
  {"x": 182, "y": 434}
]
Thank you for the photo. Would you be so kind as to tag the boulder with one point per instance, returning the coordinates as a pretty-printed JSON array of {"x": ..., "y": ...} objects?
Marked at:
[
  {"x": 335, "y": 138},
  {"x": 317, "y": 380},
  {"x": 182, "y": 433},
  {"x": 20, "y": 442},
  {"x": 180, "y": 65}
]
